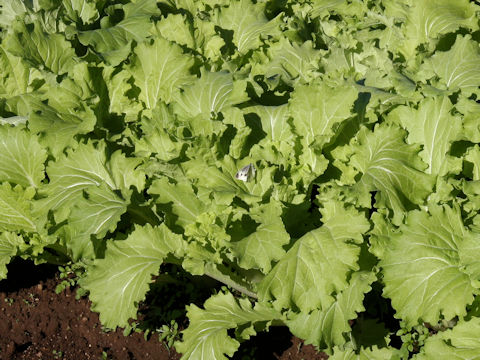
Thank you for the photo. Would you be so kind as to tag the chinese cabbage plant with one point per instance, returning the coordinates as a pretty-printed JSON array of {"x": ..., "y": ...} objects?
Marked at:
[{"x": 123, "y": 124}]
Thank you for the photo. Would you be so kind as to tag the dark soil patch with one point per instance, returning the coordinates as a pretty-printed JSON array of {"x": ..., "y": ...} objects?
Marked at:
[{"x": 37, "y": 323}]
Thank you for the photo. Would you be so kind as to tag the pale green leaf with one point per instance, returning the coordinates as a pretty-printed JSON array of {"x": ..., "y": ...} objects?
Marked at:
[
  {"x": 82, "y": 168},
  {"x": 185, "y": 203},
  {"x": 326, "y": 327},
  {"x": 113, "y": 42},
  {"x": 318, "y": 109},
  {"x": 96, "y": 214},
  {"x": 274, "y": 122},
  {"x": 176, "y": 28},
  {"x": 57, "y": 128},
  {"x": 40, "y": 49},
  {"x": 73, "y": 173},
  {"x": 126, "y": 173},
  {"x": 22, "y": 158},
  {"x": 434, "y": 127},
  {"x": 207, "y": 40},
  {"x": 120, "y": 281},
  {"x": 159, "y": 68},
  {"x": 240, "y": 143},
  {"x": 320, "y": 7},
  {"x": 428, "y": 19},
  {"x": 220, "y": 178},
  {"x": 15, "y": 212},
  {"x": 212, "y": 93},
  {"x": 422, "y": 267},
  {"x": 380, "y": 234},
  {"x": 265, "y": 245},
  {"x": 158, "y": 136},
  {"x": 118, "y": 87},
  {"x": 290, "y": 62},
  {"x": 317, "y": 265},
  {"x": 83, "y": 10},
  {"x": 473, "y": 157},
  {"x": 458, "y": 67},
  {"x": 468, "y": 251},
  {"x": 470, "y": 109},
  {"x": 10, "y": 9},
  {"x": 373, "y": 353},
  {"x": 16, "y": 74},
  {"x": 206, "y": 337},
  {"x": 392, "y": 167},
  {"x": 249, "y": 24},
  {"x": 9, "y": 243},
  {"x": 460, "y": 343}
]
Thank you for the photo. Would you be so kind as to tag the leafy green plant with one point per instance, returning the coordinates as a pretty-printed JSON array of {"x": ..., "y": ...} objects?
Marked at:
[
  {"x": 320, "y": 159},
  {"x": 169, "y": 333},
  {"x": 9, "y": 301},
  {"x": 57, "y": 354},
  {"x": 69, "y": 276}
]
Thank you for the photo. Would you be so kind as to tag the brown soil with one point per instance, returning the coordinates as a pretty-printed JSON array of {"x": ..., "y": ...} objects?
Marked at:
[{"x": 37, "y": 323}]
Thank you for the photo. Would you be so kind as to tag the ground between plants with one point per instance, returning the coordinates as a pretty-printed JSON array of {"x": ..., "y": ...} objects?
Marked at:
[{"x": 37, "y": 323}]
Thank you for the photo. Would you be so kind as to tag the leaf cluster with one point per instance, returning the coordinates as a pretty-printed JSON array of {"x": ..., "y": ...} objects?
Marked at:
[{"x": 124, "y": 123}]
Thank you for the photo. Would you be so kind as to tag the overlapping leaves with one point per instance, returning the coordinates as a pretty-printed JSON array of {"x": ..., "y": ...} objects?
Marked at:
[{"x": 129, "y": 121}]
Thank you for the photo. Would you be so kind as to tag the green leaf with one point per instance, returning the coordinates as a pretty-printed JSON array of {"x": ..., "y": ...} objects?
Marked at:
[
  {"x": 126, "y": 173},
  {"x": 461, "y": 342},
  {"x": 96, "y": 214},
  {"x": 373, "y": 353},
  {"x": 81, "y": 10},
  {"x": 249, "y": 24},
  {"x": 9, "y": 243},
  {"x": 15, "y": 212},
  {"x": 468, "y": 252},
  {"x": 57, "y": 128},
  {"x": 471, "y": 126},
  {"x": 457, "y": 68},
  {"x": 318, "y": 109},
  {"x": 428, "y": 19},
  {"x": 17, "y": 75},
  {"x": 212, "y": 93},
  {"x": 274, "y": 123},
  {"x": 40, "y": 49},
  {"x": 392, "y": 167},
  {"x": 433, "y": 127},
  {"x": 422, "y": 267},
  {"x": 473, "y": 157},
  {"x": 185, "y": 203},
  {"x": 291, "y": 62},
  {"x": 278, "y": 145},
  {"x": 326, "y": 327},
  {"x": 159, "y": 68},
  {"x": 10, "y": 10},
  {"x": 120, "y": 101},
  {"x": 177, "y": 28},
  {"x": 219, "y": 178},
  {"x": 317, "y": 265},
  {"x": 259, "y": 249},
  {"x": 206, "y": 337},
  {"x": 120, "y": 281},
  {"x": 208, "y": 41},
  {"x": 74, "y": 172},
  {"x": 159, "y": 135},
  {"x": 84, "y": 167},
  {"x": 22, "y": 158},
  {"x": 322, "y": 6},
  {"x": 113, "y": 42},
  {"x": 380, "y": 234}
]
